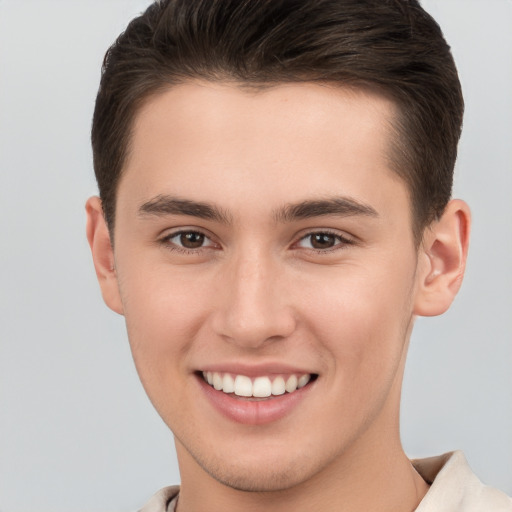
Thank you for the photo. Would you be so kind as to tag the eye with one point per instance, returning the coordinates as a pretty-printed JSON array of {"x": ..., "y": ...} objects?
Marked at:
[
  {"x": 188, "y": 240},
  {"x": 323, "y": 241}
]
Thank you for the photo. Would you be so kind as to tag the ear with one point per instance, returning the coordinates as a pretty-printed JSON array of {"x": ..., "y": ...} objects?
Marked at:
[
  {"x": 102, "y": 254},
  {"x": 442, "y": 260}
]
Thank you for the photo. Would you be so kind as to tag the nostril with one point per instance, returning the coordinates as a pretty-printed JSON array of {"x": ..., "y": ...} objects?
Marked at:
[{"x": 255, "y": 328}]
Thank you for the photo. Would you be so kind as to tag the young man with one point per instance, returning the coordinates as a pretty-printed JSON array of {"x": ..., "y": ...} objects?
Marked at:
[{"x": 275, "y": 181}]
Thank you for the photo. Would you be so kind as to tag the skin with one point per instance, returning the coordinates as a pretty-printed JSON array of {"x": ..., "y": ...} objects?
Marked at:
[{"x": 258, "y": 292}]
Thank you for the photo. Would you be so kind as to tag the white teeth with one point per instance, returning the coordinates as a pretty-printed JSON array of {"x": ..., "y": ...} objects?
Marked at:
[
  {"x": 278, "y": 387},
  {"x": 291, "y": 384},
  {"x": 261, "y": 387},
  {"x": 217, "y": 381},
  {"x": 243, "y": 386},
  {"x": 228, "y": 384},
  {"x": 303, "y": 380}
]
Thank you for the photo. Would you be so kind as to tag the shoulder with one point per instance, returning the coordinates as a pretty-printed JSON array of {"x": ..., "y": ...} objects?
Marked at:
[
  {"x": 160, "y": 500},
  {"x": 455, "y": 488}
]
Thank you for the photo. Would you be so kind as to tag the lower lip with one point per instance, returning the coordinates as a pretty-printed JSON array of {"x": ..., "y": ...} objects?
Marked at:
[{"x": 250, "y": 412}]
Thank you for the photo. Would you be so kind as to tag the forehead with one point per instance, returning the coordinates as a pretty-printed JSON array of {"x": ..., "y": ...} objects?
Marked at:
[{"x": 220, "y": 141}]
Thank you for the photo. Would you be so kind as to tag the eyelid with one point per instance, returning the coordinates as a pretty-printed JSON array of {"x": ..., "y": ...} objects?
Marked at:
[
  {"x": 168, "y": 235},
  {"x": 342, "y": 238}
]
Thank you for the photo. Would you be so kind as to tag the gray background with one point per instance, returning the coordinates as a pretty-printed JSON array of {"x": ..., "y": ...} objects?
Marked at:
[{"x": 76, "y": 430}]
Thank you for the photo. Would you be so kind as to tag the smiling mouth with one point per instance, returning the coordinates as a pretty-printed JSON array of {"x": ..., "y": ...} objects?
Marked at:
[{"x": 259, "y": 387}]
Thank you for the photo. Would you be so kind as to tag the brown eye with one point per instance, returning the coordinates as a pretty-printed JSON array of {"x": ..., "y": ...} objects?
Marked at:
[
  {"x": 322, "y": 240},
  {"x": 192, "y": 240},
  {"x": 188, "y": 240}
]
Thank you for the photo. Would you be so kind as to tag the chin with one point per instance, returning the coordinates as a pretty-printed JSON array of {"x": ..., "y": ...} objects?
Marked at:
[
  {"x": 258, "y": 471},
  {"x": 257, "y": 479}
]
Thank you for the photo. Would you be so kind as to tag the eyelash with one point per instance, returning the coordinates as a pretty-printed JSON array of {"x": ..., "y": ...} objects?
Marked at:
[
  {"x": 342, "y": 241},
  {"x": 166, "y": 241}
]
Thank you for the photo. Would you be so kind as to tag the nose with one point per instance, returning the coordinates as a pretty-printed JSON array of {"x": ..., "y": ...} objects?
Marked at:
[{"x": 252, "y": 306}]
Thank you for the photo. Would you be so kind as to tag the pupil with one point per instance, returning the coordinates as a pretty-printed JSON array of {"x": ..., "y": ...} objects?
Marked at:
[
  {"x": 192, "y": 240},
  {"x": 322, "y": 241}
]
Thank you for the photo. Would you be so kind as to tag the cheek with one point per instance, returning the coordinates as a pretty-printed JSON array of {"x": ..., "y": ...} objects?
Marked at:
[
  {"x": 163, "y": 313},
  {"x": 361, "y": 318}
]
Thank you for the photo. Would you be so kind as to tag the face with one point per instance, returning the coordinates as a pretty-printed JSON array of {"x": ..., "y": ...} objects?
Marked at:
[{"x": 263, "y": 244}]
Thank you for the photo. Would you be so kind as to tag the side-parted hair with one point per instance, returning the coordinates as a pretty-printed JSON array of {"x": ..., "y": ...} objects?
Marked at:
[{"x": 390, "y": 46}]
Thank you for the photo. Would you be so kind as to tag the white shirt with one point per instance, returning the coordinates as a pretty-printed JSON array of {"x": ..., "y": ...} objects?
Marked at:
[{"x": 455, "y": 488}]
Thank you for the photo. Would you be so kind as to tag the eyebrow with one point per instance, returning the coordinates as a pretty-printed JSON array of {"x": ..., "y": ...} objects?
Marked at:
[
  {"x": 166, "y": 205},
  {"x": 339, "y": 206}
]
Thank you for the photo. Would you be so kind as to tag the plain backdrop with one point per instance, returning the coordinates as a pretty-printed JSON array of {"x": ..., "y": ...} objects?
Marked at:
[{"x": 76, "y": 430}]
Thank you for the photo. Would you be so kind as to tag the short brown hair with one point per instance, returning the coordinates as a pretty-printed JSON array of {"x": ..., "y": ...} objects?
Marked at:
[{"x": 393, "y": 46}]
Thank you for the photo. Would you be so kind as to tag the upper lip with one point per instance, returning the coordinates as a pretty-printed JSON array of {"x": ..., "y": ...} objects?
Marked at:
[{"x": 255, "y": 370}]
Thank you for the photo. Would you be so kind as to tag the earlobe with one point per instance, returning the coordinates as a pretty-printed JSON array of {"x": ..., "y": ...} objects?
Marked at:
[
  {"x": 442, "y": 260},
  {"x": 102, "y": 254}
]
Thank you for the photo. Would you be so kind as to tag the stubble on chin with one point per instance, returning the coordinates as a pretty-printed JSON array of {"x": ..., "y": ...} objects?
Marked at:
[{"x": 253, "y": 478}]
